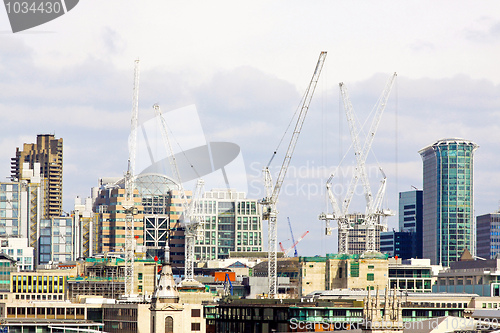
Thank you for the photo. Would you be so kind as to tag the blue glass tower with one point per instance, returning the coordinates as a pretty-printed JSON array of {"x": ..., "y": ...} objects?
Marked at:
[{"x": 448, "y": 223}]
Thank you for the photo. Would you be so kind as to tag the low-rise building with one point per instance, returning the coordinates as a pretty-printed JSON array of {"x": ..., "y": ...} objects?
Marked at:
[
  {"x": 105, "y": 277},
  {"x": 342, "y": 271},
  {"x": 22, "y": 316},
  {"x": 42, "y": 285},
  {"x": 18, "y": 249},
  {"x": 467, "y": 275},
  {"x": 412, "y": 275},
  {"x": 326, "y": 311},
  {"x": 7, "y": 268}
]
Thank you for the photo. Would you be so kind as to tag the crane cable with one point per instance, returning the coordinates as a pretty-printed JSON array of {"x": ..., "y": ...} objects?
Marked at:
[
  {"x": 287, "y": 128},
  {"x": 182, "y": 150}
]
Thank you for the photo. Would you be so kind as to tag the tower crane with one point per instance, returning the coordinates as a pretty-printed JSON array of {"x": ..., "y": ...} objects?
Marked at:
[
  {"x": 269, "y": 211},
  {"x": 192, "y": 222},
  {"x": 295, "y": 254},
  {"x": 294, "y": 246},
  {"x": 373, "y": 211},
  {"x": 373, "y": 207},
  {"x": 128, "y": 202}
]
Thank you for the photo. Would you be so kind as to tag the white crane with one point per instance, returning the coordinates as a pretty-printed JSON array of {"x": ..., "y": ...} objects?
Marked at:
[
  {"x": 373, "y": 207},
  {"x": 269, "y": 203},
  {"x": 192, "y": 222},
  {"x": 128, "y": 202},
  {"x": 339, "y": 215},
  {"x": 373, "y": 211}
]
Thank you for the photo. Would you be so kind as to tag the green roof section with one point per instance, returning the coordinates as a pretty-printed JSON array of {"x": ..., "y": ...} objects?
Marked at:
[
  {"x": 115, "y": 261},
  {"x": 341, "y": 256}
]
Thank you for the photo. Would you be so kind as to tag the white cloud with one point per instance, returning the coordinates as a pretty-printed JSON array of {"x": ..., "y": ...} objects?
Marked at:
[{"x": 245, "y": 67}]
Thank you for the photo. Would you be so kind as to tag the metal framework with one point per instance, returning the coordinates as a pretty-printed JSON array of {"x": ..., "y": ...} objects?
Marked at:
[
  {"x": 269, "y": 203},
  {"x": 192, "y": 222},
  {"x": 373, "y": 206},
  {"x": 128, "y": 203},
  {"x": 194, "y": 231},
  {"x": 295, "y": 253}
]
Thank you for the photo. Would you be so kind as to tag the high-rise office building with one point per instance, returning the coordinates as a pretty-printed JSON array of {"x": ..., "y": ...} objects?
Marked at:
[
  {"x": 448, "y": 223},
  {"x": 111, "y": 220},
  {"x": 231, "y": 223},
  {"x": 157, "y": 224},
  {"x": 407, "y": 242},
  {"x": 48, "y": 152},
  {"x": 411, "y": 219},
  {"x": 397, "y": 243},
  {"x": 488, "y": 235},
  {"x": 21, "y": 204}
]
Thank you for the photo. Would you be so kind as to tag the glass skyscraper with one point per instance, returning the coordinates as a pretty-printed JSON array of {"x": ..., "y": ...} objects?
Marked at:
[{"x": 448, "y": 222}]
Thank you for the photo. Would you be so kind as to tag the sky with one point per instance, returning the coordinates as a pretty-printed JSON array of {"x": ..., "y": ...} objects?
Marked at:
[{"x": 243, "y": 67}]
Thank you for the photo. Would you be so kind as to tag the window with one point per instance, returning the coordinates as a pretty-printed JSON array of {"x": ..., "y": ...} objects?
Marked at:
[
  {"x": 169, "y": 325},
  {"x": 195, "y": 312},
  {"x": 355, "y": 269},
  {"x": 370, "y": 277},
  {"x": 195, "y": 326}
]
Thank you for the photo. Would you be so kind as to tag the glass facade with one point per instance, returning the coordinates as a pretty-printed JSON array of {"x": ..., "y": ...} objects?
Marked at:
[
  {"x": 410, "y": 221},
  {"x": 232, "y": 223},
  {"x": 56, "y": 240},
  {"x": 9, "y": 209},
  {"x": 488, "y": 235},
  {"x": 448, "y": 200},
  {"x": 396, "y": 243}
]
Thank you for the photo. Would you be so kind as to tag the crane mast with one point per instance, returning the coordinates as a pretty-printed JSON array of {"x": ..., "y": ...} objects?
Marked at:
[
  {"x": 270, "y": 201},
  {"x": 373, "y": 212},
  {"x": 295, "y": 254},
  {"x": 128, "y": 203},
  {"x": 193, "y": 232}
]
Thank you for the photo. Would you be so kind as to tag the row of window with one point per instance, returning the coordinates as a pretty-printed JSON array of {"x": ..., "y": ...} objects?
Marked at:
[
  {"x": 43, "y": 311},
  {"x": 39, "y": 297}
]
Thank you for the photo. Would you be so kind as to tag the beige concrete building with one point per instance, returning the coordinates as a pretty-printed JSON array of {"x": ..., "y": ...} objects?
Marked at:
[{"x": 342, "y": 271}]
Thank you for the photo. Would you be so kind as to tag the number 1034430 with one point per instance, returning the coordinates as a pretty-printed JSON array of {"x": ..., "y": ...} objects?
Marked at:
[{"x": 23, "y": 7}]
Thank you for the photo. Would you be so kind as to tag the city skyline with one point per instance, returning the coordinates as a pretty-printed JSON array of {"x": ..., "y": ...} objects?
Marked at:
[{"x": 246, "y": 84}]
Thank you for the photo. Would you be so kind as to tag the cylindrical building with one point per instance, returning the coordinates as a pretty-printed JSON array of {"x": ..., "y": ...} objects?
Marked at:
[{"x": 448, "y": 213}]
